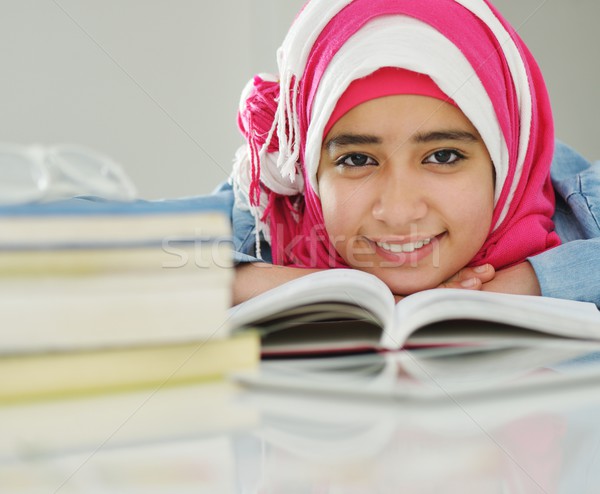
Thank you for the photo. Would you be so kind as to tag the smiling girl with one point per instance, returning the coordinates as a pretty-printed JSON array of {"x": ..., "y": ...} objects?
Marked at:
[
  {"x": 406, "y": 183},
  {"x": 411, "y": 140}
]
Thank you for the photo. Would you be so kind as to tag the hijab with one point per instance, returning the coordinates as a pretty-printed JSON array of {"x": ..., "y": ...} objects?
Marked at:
[{"x": 472, "y": 56}]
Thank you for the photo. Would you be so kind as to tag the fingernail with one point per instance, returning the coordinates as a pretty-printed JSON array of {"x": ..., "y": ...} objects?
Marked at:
[
  {"x": 470, "y": 283},
  {"x": 481, "y": 269}
]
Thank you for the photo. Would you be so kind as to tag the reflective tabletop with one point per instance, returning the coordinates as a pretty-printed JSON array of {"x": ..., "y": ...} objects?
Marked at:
[{"x": 392, "y": 423}]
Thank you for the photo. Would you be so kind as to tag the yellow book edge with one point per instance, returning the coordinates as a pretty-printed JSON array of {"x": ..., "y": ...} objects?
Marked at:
[{"x": 64, "y": 374}]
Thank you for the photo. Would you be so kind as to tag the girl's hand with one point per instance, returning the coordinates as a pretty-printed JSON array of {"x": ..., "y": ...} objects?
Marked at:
[
  {"x": 468, "y": 279},
  {"x": 520, "y": 279},
  {"x": 472, "y": 278}
]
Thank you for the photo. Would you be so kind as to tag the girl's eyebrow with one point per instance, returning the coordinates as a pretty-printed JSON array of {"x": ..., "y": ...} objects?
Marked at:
[
  {"x": 445, "y": 135},
  {"x": 348, "y": 139},
  {"x": 342, "y": 140}
]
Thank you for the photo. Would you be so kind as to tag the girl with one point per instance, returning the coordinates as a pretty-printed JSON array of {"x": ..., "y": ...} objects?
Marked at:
[{"x": 411, "y": 140}]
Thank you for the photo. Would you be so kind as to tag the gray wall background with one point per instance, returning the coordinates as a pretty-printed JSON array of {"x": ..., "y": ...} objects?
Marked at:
[{"x": 155, "y": 83}]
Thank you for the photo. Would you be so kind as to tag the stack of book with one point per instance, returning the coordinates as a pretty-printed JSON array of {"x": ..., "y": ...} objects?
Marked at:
[{"x": 99, "y": 295}]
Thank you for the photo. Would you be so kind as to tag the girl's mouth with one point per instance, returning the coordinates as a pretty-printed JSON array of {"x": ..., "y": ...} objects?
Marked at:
[
  {"x": 398, "y": 253},
  {"x": 406, "y": 247}
]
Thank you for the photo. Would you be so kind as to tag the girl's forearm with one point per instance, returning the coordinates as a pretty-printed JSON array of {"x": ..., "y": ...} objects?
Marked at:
[{"x": 252, "y": 279}]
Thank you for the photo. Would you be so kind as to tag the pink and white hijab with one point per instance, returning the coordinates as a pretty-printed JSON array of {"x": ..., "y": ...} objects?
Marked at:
[{"x": 471, "y": 53}]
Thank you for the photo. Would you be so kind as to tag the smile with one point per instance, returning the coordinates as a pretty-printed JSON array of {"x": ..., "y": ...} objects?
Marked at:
[{"x": 407, "y": 247}]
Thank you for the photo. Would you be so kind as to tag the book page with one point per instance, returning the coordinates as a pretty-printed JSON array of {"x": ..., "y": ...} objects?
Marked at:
[
  {"x": 319, "y": 296},
  {"x": 551, "y": 316}
]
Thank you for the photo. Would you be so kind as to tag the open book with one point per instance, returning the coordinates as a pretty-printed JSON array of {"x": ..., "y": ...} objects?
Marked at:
[{"x": 346, "y": 310}]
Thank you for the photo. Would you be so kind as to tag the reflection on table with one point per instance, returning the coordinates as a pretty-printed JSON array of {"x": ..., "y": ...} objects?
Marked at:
[{"x": 261, "y": 437}]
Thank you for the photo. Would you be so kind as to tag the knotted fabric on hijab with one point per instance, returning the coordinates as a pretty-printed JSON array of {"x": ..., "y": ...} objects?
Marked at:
[{"x": 465, "y": 47}]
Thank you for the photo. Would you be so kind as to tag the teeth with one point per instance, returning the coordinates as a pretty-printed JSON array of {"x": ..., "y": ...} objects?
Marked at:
[{"x": 408, "y": 247}]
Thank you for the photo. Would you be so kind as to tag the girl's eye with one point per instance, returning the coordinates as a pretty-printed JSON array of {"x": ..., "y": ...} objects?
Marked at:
[
  {"x": 355, "y": 160},
  {"x": 444, "y": 157}
]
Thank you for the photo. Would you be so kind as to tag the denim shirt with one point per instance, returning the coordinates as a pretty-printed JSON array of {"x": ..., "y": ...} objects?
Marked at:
[{"x": 571, "y": 270}]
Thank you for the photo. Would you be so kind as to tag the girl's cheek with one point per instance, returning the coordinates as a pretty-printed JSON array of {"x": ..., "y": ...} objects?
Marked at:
[{"x": 344, "y": 202}]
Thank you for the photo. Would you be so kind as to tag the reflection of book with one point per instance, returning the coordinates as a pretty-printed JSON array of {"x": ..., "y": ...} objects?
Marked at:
[
  {"x": 32, "y": 430},
  {"x": 348, "y": 310},
  {"x": 373, "y": 442},
  {"x": 434, "y": 373}
]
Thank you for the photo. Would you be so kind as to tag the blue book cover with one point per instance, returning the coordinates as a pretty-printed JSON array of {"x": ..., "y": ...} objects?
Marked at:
[
  {"x": 95, "y": 222},
  {"x": 89, "y": 205}
]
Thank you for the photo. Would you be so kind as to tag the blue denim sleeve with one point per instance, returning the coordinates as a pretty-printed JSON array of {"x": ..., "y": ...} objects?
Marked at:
[
  {"x": 572, "y": 270},
  {"x": 243, "y": 230}
]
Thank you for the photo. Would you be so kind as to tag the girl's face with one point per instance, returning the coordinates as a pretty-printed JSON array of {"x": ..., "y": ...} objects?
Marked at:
[{"x": 407, "y": 190}]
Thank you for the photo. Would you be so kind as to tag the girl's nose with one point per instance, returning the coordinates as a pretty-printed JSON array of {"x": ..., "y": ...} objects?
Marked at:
[{"x": 400, "y": 203}]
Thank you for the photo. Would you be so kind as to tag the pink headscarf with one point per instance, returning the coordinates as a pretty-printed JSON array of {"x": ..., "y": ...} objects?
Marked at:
[
  {"x": 387, "y": 81},
  {"x": 467, "y": 49}
]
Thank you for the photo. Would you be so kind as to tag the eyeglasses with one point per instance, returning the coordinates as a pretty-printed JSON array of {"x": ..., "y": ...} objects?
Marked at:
[{"x": 42, "y": 173}]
